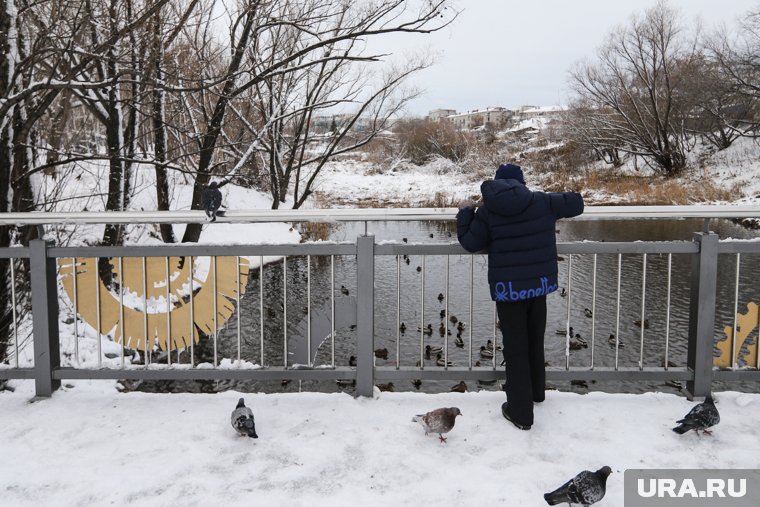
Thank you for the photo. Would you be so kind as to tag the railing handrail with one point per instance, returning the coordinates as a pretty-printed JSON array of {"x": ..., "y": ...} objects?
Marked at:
[
  {"x": 699, "y": 373},
  {"x": 358, "y": 215}
]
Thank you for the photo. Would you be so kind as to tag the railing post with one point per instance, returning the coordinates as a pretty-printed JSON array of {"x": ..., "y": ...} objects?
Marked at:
[
  {"x": 365, "y": 315},
  {"x": 44, "y": 318},
  {"x": 704, "y": 275}
]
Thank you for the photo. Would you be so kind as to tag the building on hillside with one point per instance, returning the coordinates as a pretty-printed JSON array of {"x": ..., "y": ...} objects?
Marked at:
[
  {"x": 438, "y": 114},
  {"x": 530, "y": 112},
  {"x": 335, "y": 122},
  {"x": 494, "y": 116},
  {"x": 499, "y": 117}
]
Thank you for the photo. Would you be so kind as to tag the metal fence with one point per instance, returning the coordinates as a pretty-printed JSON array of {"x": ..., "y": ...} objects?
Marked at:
[{"x": 156, "y": 362}]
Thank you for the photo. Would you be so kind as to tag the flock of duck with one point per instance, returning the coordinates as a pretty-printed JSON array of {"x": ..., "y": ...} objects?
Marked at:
[
  {"x": 577, "y": 342},
  {"x": 486, "y": 351}
]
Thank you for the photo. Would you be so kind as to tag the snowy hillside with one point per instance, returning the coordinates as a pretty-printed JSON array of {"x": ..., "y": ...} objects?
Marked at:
[{"x": 734, "y": 173}]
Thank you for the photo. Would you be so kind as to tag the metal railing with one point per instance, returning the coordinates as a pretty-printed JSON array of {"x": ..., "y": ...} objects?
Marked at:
[{"x": 47, "y": 371}]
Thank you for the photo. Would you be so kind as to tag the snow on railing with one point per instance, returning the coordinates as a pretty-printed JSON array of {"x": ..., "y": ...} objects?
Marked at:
[{"x": 358, "y": 215}]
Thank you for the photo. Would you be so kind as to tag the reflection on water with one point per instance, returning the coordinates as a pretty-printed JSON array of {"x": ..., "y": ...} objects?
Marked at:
[{"x": 647, "y": 349}]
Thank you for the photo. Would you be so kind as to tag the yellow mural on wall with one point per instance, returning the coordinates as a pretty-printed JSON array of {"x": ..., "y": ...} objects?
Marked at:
[
  {"x": 745, "y": 324},
  {"x": 148, "y": 321}
]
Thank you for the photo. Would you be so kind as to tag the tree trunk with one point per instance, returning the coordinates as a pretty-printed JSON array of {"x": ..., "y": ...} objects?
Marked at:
[
  {"x": 113, "y": 234},
  {"x": 159, "y": 133},
  {"x": 193, "y": 231},
  {"x": 58, "y": 125}
]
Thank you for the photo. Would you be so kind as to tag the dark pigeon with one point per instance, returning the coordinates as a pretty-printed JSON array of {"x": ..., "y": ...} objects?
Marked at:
[
  {"x": 586, "y": 488},
  {"x": 242, "y": 420},
  {"x": 440, "y": 420},
  {"x": 211, "y": 200},
  {"x": 701, "y": 417}
]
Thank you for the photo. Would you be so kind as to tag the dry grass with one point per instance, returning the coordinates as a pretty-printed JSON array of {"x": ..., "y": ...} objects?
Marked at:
[
  {"x": 316, "y": 231},
  {"x": 319, "y": 231},
  {"x": 441, "y": 200},
  {"x": 641, "y": 190},
  {"x": 566, "y": 168}
]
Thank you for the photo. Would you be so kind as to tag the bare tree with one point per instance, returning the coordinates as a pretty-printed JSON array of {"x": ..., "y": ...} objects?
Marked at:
[
  {"x": 166, "y": 27},
  {"x": 718, "y": 113},
  {"x": 581, "y": 125},
  {"x": 321, "y": 24},
  {"x": 291, "y": 111},
  {"x": 632, "y": 95},
  {"x": 122, "y": 60},
  {"x": 735, "y": 60}
]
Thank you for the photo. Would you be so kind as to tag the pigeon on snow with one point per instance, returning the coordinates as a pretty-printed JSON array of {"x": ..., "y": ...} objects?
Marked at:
[
  {"x": 242, "y": 420},
  {"x": 700, "y": 417},
  {"x": 586, "y": 488},
  {"x": 440, "y": 420}
]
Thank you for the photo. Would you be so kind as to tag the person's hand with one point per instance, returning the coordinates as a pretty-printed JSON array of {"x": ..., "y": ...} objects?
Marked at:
[{"x": 467, "y": 203}]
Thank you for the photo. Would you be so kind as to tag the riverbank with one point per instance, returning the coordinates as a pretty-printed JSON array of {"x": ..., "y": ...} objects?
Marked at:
[
  {"x": 728, "y": 176},
  {"x": 90, "y": 445}
]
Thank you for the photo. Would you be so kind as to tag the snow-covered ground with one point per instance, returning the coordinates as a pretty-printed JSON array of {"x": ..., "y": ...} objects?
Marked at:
[
  {"x": 354, "y": 181},
  {"x": 90, "y": 445}
]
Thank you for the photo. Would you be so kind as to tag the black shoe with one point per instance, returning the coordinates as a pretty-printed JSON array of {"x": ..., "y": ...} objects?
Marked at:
[{"x": 506, "y": 415}]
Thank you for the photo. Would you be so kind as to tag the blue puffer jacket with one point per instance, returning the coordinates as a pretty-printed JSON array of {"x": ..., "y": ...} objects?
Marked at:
[{"x": 517, "y": 227}]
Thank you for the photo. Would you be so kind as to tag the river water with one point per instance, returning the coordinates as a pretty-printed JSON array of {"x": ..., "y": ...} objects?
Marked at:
[{"x": 482, "y": 322}]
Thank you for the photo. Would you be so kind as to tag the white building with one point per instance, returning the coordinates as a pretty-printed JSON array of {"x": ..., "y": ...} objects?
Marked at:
[
  {"x": 499, "y": 117},
  {"x": 495, "y": 116},
  {"x": 437, "y": 114}
]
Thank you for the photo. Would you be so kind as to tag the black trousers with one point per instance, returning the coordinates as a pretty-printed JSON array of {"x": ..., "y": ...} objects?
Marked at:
[{"x": 523, "y": 324}]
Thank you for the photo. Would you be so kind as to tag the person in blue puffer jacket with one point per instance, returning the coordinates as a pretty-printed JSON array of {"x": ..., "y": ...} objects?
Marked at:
[{"x": 517, "y": 226}]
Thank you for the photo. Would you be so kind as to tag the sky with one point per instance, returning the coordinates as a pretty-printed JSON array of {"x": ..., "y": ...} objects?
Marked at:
[{"x": 510, "y": 53}]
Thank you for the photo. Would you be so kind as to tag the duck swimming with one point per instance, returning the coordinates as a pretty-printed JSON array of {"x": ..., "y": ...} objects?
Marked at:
[
  {"x": 440, "y": 361},
  {"x": 614, "y": 341},
  {"x": 637, "y": 323},
  {"x": 485, "y": 353},
  {"x": 432, "y": 350},
  {"x": 489, "y": 346},
  {"x": 459, "y": 388},
  {"x": 577, "y": 343},
  {"x": 581, "y": 340}
]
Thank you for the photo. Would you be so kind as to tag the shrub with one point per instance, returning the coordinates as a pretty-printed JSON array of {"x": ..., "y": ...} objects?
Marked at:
[{"x": 419, "y": 140}]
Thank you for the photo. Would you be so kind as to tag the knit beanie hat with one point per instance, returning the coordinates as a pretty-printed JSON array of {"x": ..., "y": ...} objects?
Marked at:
[{"x": 510, "y": 172}]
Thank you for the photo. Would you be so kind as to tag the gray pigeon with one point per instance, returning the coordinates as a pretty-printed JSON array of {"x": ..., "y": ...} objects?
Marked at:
[
  {"x": 242, "y": 420},
  {"x": 700, "y": 417},
  {"x": 440, "y": 420},
  {"x": 211, "y": 200},
  {"x": 586, "y": 488}
]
